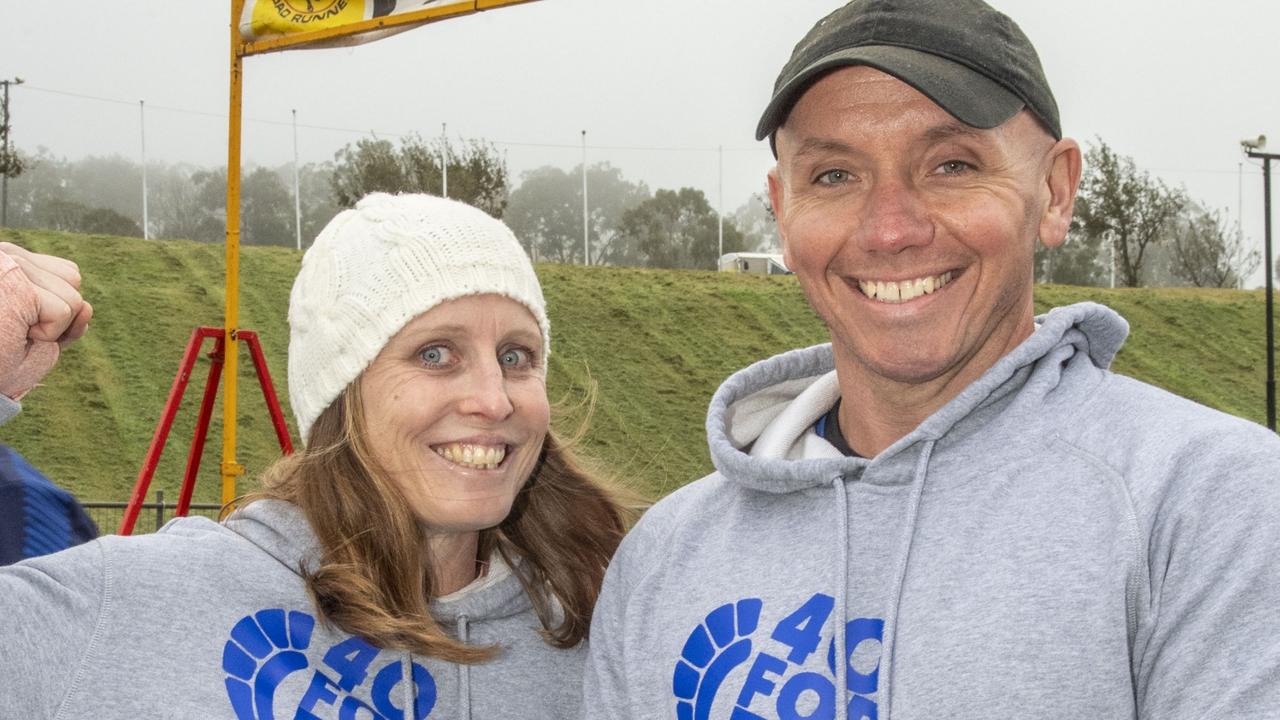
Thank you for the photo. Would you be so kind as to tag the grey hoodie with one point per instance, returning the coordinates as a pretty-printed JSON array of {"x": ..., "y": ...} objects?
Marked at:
[
  {"x": 202, "y": 620},
  {"x": 1058, "y": 541}
]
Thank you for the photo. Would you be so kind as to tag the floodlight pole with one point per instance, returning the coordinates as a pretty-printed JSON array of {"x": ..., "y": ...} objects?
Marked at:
[
  {"x": 444, "y": 159},
  {"x": 4, "y": 176},
  {"x": 1266, "y": 159},
  {"x": 142, "y": 127},
  {"x": 297, "y": 195},
  {"x": 586, "y": 257},
  {"x": 720, "y": 226}
]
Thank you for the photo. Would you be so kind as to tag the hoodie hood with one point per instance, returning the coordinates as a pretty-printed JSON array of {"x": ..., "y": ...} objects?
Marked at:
[
  {"x": 280, "y": 529},
  {"x": 758, "y": 421}
]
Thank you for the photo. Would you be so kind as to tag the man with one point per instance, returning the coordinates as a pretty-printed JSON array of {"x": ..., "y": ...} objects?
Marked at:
[
  {"x": 956, "y": 499},
  {"x": 41, "y": 311}
]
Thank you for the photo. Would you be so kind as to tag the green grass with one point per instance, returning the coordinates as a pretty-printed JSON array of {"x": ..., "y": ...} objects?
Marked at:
[{"x": 653, "y": 344}]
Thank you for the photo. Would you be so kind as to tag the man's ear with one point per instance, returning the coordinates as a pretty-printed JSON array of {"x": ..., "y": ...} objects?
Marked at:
[
  {"x": 1063, "y": 179},
  {"x": 776, "y": 201}
]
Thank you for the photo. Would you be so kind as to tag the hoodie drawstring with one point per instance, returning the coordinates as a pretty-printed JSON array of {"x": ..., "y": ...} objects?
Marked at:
[
  {"x": 900, "y": 577},
  {"x": 842, "y": 600},
  {"x": 409, "y": 688},
  {"x": 464, "y": 672}
]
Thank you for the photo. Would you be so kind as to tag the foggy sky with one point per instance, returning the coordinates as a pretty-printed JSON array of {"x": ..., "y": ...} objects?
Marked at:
[{"x": 658, "y": 85}]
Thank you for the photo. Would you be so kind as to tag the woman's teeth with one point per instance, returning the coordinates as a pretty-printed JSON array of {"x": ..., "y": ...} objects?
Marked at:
[
  {"x": 904, "y": 290},
  {"x": 486, "y": 457}
]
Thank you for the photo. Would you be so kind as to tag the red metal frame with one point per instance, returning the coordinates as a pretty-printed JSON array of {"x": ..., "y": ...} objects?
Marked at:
[{"x": 174, "y": 401}]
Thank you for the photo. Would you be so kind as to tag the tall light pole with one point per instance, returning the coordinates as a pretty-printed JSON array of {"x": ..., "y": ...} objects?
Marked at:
[
  {"x": 1252, "y": 148},
  {"x": 444, "y": 159},
  {"x": 6, "y": 154},
  {"x": 585, "y": 255},
  {"x": 1110, "y": 237},
  {"x": 720, "y": 228},
  {"x": 297, "y": 197},
  {"x": 142, "y": 128}
]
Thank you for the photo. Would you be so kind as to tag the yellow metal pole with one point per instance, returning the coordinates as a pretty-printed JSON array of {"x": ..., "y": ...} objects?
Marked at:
[{"x": 230, "y": 348}]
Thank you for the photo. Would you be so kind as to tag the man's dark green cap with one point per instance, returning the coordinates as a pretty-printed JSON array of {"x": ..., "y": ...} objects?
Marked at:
[{"x": 964, "y": 55}]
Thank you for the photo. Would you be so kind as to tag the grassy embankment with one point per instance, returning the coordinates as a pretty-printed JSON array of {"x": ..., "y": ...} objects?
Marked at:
[{"x": 654, "y": 343}]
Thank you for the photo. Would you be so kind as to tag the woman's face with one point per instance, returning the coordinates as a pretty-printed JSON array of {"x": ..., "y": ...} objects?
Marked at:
[{"x": 456, "y": 411}]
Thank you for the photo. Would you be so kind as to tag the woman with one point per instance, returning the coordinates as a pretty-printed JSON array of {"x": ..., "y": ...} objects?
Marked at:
[{"x": 433, "y": 551}]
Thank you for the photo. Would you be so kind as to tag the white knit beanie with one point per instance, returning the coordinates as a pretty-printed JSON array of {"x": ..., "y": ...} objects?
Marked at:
[{"x": 375, "y": 268}]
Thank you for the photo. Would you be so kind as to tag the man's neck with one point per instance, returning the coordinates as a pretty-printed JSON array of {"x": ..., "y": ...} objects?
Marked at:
[{"x": 877, "y": 411}]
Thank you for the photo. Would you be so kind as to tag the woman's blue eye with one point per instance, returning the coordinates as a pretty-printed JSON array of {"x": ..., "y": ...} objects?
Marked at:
[
  {"x": 514, "y": 358},
  {"x": 435, "y": 355}
]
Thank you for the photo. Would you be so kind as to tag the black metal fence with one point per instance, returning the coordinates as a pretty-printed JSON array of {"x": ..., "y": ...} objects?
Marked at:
[{"x": 107, "y": 515}]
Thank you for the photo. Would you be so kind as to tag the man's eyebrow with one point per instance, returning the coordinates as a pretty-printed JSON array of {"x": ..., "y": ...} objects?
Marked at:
[
  {"x": 822, "y": 145},
  {"x": 948, "y": 131}
]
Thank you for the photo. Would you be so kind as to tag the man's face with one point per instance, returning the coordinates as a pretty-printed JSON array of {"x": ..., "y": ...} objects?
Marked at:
[{"x": 912, "y": 234}]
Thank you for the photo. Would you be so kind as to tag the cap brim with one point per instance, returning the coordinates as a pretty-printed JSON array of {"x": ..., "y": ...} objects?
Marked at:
[{"x": 968, "y": 96}]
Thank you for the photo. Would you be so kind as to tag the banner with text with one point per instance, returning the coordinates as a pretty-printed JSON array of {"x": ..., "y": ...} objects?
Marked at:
[{"x": 263, "y": 19}]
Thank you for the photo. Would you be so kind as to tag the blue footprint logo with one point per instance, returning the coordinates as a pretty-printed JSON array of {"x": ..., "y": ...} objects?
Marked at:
[
  {"x": 713, "y": 650},
  {"x": 264, "y": 648}
]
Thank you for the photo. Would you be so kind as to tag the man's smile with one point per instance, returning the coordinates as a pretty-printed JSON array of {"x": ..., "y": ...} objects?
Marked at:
[{"x": 900, "y": 291}]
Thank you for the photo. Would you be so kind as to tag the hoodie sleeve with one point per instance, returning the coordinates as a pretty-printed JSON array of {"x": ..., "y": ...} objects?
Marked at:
[
  {"x": 51, "y": 607},
  {"x": 8, "y": 409},
  {"x": 606, "y": 676},
  {"x": 1212, "y": 624}
]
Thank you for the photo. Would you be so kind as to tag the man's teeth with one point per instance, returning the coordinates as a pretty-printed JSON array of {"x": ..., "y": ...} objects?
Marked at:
[
  {"x": 902, "y": 291},
  {"x": 487, "y": 457}
]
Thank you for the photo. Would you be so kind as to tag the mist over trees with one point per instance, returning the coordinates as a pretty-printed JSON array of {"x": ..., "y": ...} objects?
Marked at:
[
  {"x": 677, "y": 229},
  {"x": 1160, "y": 236},
  {"x": 545, "y": 212},
  {"x": 1156, "y": 233},
  {"x": 477, "y": 174}
]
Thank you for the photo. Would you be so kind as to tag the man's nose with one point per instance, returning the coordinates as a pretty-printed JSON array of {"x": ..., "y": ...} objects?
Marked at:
[{"x": 894, "y": 218}]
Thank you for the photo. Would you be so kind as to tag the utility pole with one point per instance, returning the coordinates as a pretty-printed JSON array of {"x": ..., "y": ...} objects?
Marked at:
[
  {"x": 8, "y": 161},
  {"x": 142, "y": 126},
  {"x": 297, "y": 197},
  {"x": 444, "y": 158},
  {"x": 720, "y": 230},
  {"x": 585, "y": 255},
  {"x": 1266, "y": 159}
]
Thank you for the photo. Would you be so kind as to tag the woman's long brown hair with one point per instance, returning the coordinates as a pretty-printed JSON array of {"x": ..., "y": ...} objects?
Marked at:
[{"x": 373, "y": 579}]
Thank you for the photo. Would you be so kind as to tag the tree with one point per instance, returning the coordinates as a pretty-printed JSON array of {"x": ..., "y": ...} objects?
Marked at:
[
  {"x": 179, "y": 209},
  {"x": 12, "y": 163},
  {"x": 545, "y": 212},
  {"x": 677, "y": 229},
  {"x": 1079, "y": 260},
  {"x": 1120, "y": 204},
  {"x": 758, "y": 224},
  {"x": 72, "y": 216},
  {"x": 478, "y": 176},
  {"x": 1207, "y": 252},
  {"x": 104, "y": 221},
  {"x": 477, "y": 173},
  {"x": 316, "y": 199},
  {"x": 266, "y": 209},
  {"x": 370, "y": 165}
]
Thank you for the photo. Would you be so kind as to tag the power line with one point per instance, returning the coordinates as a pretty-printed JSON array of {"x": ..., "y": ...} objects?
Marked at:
[
  {"x": 402, "y": 134},
  {"x": 389, "y": 133}
]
